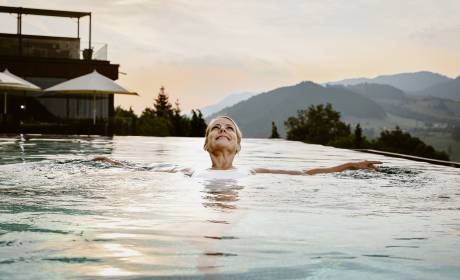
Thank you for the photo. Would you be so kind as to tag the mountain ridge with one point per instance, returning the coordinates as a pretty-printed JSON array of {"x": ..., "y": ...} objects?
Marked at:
[
  {"x": 449, "y": 89},
  {"x": 408, "y": 82},
  {"x": 255, "y": 114}
]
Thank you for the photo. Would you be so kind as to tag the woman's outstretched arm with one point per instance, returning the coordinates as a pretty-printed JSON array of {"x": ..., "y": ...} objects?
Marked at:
[
  {"x": 186, "y": 171},
  {"x": 366, "y": 164},
  {"x": 339, "y": 168}
]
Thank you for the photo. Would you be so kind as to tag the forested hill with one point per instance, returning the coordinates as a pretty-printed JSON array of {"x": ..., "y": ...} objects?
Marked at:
[
  {"x": 449, "y": 89},
  {"x": 426, "y": 109},
  {"x": 255, "y": 115},
  {"x": 378, "y": 91}
]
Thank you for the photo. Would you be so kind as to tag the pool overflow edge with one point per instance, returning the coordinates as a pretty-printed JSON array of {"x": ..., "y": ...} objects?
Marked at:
[{"x": 429, "y": 160}]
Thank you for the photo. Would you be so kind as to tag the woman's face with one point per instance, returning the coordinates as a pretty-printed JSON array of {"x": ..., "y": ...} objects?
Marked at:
[{"x": 222, "y": 136}]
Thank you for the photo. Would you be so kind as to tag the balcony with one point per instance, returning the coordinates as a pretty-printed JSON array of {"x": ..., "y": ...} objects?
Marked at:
[
  {"x": 14, "y": 45},
  {"x": 39, "y": 46}
]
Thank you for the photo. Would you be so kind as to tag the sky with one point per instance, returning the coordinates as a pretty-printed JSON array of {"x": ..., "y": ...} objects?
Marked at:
[{"x": 203, "y": 50}]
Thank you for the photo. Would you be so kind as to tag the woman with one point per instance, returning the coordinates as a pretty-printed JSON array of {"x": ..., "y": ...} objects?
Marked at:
[{"x": 223, "y": 142}]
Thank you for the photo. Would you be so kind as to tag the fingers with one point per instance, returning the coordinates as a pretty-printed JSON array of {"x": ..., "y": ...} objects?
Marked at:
[
  {"x": 375, "y": 162},
  {"x": 100, "y": 158},
  {"x": 368, "y": 164},
  {"x": 372, "y": 167},
  {"x": 107, "y": 160}
]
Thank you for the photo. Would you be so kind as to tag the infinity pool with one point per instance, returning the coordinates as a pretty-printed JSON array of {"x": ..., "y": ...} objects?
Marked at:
[{"x": 64, "y": 216}]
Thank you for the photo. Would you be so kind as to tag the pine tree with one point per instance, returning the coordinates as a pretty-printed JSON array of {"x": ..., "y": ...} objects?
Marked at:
[
  {"x": 275, "y": 133},
  {"x": 358, "y": 140},
  {"x": 156, "y": 121},
  {"x": 179, "y": 122},
  {"x": 162, "y": 106},
  {"x": 197, "y": 124}
]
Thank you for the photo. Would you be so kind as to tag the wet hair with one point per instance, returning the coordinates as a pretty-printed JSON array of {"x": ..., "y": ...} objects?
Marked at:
[{"x": 239, "y": 135}]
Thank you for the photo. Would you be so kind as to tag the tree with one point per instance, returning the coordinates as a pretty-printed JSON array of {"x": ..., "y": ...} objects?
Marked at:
[
  {"x": 397, "y": 141},
  {"x": 162, "y": 106},
  {"x": 197, "y": 124},
  {"x": 180, "y": 124},
  {"x": 456, "y": 134},
  {"x": 275, "y": 133},
  {"x": 318, "y": 125},
  {"x": 149, "y": 124},
  {"x": 358, "y": 139},
  {"x": 157, "y": 121},
  {"x": 322, "y": 125},
  {"x": 354, "y": 140},
  {"x": 124, "y": 121}
]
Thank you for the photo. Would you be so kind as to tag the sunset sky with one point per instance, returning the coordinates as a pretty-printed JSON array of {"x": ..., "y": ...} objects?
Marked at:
[{"x": 202, "y": 51}]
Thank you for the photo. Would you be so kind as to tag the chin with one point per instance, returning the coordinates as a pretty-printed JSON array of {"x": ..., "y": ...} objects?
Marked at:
[{"x": 221, "y": 146}]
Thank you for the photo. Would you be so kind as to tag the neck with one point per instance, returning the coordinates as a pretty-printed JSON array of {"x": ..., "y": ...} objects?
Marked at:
[{"x": 222, "y": 160}]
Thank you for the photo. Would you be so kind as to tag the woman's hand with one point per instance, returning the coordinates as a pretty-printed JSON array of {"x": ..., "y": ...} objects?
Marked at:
[
  {"x": 108, "y": 160},
  {"x": 366, "y": 164}
]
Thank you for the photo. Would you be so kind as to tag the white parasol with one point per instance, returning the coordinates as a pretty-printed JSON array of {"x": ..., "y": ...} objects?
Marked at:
[
  {"x": 11, "y": 82},
  {"x": 92, "y": 83}
]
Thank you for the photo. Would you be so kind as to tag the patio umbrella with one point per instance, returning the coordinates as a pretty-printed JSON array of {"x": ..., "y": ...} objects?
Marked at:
[
  {"x": 11, "y": 82},
  {"x": 92, "y": 83}
]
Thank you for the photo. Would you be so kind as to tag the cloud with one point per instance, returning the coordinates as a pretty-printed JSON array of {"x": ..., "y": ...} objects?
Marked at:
[
  {"x": 204, "y": 49},
  {"x": 443, "y": 37}
]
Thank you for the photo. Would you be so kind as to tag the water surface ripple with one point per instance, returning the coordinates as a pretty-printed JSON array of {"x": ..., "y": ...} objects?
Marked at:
[{"x": 64, "y": 216}]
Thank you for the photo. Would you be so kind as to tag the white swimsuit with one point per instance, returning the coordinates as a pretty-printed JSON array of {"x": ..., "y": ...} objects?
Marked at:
[{"x": 231, "y": 174}]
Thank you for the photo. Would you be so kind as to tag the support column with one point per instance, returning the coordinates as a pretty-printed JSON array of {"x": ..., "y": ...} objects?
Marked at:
[
  {"x": 4, "y": 103},
  {"x": 67, "y": 108},
  {"x": 19, "y": 31},
  {"x": 94, "y": 109},
  {"x": 89, "y": 31}
]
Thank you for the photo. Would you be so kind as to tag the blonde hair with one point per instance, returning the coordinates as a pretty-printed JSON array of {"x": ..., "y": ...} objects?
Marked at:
[{"x": 239, "y": 135}]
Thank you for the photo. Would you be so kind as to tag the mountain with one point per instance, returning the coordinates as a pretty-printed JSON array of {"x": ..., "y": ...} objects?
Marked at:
[
  {"x": 254, "y": 116},
  {"x": 229, "y": 100},
  {"x": 408, "y": 82},
  {"x": 378, "y": 91},
  {"x": 425, "y": 109},
  {"x": 449, "y": 90}
]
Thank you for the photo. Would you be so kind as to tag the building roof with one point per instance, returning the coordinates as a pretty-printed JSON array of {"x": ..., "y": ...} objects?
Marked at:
[{"x": 42, "y": 12}]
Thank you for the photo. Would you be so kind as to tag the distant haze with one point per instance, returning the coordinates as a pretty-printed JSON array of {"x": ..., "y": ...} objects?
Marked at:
[{"x": 227, "y": 101}]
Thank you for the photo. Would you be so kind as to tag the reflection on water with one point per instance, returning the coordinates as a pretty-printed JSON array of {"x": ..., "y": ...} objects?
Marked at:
[
  {"x": 63, "y": 214},
  {"x": 221, "y": 194},
  {"x": 222, "y": 197},
  {"x": 27, "y": 148}
]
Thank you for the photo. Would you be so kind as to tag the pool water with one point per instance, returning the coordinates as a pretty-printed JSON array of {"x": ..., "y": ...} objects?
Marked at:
[{"x": 63, "y": 216}]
